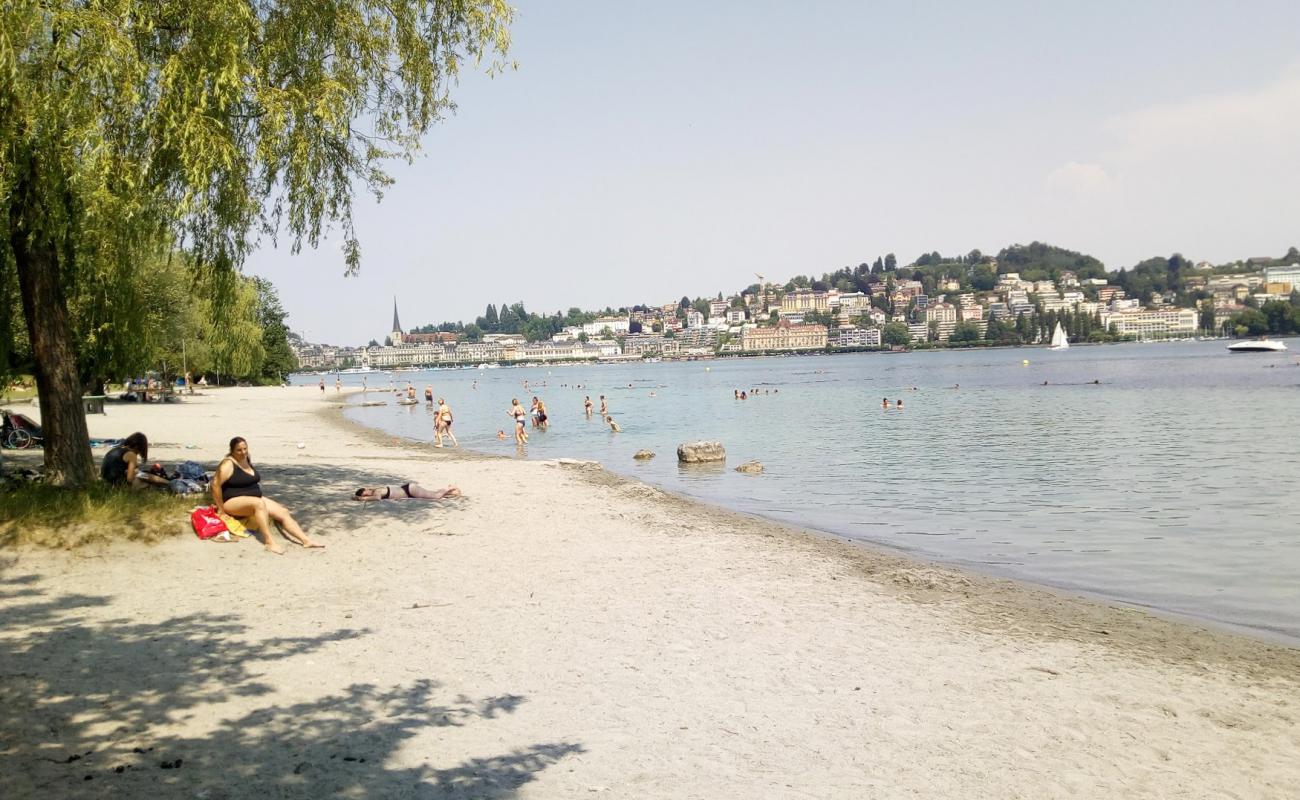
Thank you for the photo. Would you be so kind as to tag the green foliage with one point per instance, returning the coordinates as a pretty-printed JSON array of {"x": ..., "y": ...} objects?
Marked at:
[
  {"x": 895, "y": 334},
  {"x": 965, "y": 332},
  {"x": 129, "y": 127},
  {"x": 1250, "y": 322},
  {"x": 1040, "y": 261}
]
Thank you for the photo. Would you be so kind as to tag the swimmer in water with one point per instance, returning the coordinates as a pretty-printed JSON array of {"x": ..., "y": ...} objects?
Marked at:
[
  {"x": 884, "y": 403},
  {"x": 898, "y": 404}
]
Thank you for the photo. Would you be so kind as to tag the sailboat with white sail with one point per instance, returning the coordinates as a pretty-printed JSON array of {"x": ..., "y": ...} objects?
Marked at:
[{"x": 1059, "y": 342}]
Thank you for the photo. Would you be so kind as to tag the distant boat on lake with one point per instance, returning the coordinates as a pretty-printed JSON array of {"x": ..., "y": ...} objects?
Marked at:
[
  {"x": 1059, "y": 342},
  {"x": 1257, "y": 346}
]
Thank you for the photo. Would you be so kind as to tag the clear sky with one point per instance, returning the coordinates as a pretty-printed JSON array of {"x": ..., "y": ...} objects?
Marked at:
[{"x": 645, "y": 151}]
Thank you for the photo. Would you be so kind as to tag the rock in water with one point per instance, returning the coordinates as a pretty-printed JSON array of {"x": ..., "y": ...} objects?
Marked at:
[
  {"x": 642, "y": 455},
  {"x": 701, "y": 452},
  {"x": 751, "y": 467}
]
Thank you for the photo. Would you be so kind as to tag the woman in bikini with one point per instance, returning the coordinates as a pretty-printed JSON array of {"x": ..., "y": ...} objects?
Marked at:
[
  {"x": 520, "y": 416},
  {"x": 586, "y": 405},
  {"x": 407, "y": 491},
  {"x": 442, "y": 424},
  {"x": 237, "y": 491}
]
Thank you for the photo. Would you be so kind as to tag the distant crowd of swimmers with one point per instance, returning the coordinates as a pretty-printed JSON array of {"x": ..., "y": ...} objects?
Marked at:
[{"x": 741, "y": 394}]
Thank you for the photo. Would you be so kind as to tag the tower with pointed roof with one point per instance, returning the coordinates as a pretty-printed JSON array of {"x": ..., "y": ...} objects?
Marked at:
[{"x": 396, "y": 335}]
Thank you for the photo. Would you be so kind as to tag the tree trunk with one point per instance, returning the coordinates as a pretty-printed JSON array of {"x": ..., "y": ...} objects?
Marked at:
[{"x": 68, "y": 460}]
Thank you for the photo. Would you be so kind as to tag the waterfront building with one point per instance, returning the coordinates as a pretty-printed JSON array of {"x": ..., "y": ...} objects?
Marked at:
[
  {"x": 784, "y": 336},
  {"x": 853, "y": 336},
  {"x": 1147, "y": 323},
  {"x": 919, "y": 332}
]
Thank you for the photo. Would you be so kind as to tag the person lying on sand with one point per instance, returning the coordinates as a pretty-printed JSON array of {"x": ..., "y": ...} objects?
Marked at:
[{"x": 407, "y": 491}]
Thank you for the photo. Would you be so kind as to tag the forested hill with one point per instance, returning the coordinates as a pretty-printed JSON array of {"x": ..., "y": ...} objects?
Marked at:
[{"x": 1035, "y": 261}]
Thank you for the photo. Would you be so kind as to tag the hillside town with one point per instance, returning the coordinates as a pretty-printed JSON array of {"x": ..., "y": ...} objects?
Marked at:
[{"x": 868, "y": 308}]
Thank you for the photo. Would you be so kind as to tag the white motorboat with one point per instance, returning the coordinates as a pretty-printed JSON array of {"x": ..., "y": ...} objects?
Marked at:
[
  {"x": 1059, "y": 341},
  {"x": 1257, "y": 346}
]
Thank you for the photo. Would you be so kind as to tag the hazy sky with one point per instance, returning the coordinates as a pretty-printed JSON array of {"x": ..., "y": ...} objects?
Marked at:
[{"x": 643, "y": 151}]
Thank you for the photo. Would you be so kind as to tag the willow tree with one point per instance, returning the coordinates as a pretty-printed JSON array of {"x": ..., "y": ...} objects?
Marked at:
[{"x": 209, "y": 124}]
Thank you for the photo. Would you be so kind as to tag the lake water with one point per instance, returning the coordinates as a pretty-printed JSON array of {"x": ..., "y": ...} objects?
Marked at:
[{"x": 1171, "y": 484}]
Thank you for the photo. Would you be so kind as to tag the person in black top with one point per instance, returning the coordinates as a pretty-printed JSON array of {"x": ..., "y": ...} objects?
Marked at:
[
  {"x": 121, "y": 465},
  {"x": 237, "y": 491}
]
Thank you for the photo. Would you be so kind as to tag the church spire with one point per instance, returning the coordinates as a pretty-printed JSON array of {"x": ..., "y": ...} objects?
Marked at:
[{"x": 397, "y": 325}]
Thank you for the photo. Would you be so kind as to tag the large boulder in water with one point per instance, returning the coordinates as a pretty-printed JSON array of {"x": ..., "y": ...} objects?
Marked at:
[
  {"x": 642, "y": 455},
  {"x": 751, "y": 467},
  {"x": 701, "y": 452}
]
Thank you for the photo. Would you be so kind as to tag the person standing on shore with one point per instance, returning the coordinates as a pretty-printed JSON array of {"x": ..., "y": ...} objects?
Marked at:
[
  {"x": 338, "y": 384},
  {"x": 442, "y": 424},
  {"x": 518, "y": 414},
  {"x": 322, "y": 387}
]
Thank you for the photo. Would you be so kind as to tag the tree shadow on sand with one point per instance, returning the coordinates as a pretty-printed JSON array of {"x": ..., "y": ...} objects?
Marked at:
[
  {"x": 92, "y": 708},
  {"x": 320, "y": 498}
]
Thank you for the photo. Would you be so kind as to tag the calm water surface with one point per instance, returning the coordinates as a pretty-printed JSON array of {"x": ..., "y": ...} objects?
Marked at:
[{"x": 1171, "y": 484}]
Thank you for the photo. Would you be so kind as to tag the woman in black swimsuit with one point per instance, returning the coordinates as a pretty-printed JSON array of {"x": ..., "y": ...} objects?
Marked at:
[
  {"x": 237, "y": 491},
  {"x": 407, "y": 491}
]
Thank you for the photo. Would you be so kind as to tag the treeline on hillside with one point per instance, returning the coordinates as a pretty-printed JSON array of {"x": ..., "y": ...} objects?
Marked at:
[{"x": 163, "y": 315}]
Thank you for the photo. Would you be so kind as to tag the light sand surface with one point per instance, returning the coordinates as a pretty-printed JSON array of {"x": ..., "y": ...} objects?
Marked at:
[{"x": 566, "y": 633}]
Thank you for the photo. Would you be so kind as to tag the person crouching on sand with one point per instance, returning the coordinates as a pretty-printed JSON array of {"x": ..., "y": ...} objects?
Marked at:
[
  {"x": 407, "y": 491},
  {"x": 237, "y": 491}
]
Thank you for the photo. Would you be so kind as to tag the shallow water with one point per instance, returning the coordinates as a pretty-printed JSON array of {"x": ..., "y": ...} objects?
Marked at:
[{"x": 1170, "y": 484}]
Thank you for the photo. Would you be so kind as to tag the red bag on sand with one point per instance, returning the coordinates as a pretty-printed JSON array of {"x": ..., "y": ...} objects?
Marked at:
[{"x": 206, "y": 522}]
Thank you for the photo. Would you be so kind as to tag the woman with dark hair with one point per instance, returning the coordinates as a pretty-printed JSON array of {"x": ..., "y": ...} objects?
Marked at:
[
  {"x": 237, "y": 491},
  {"x": 407, "y": 491},
  {"x": 121, "y": 465}
]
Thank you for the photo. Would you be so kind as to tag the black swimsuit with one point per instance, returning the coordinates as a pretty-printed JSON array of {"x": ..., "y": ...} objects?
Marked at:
[
  {"x": 241, "y": 484},
  {"x": 388, "y": 491}
]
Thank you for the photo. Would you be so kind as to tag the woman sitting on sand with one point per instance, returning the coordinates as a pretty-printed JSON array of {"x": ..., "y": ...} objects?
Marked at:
[
  {"x": 237, "y": 491},
  {"x": 407, "y": 491},
  {"x": 121, "y": 465}
]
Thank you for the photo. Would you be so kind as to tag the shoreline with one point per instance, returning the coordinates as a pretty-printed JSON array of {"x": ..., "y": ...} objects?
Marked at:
[
  {"x": 1111, "y": 621},
  {"x": 1258, "y": 632},
  {"x": 566, "y": 631}
]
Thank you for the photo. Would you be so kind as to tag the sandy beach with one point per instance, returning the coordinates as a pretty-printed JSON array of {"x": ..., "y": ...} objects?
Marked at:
[{"x": 563, "y": 632}]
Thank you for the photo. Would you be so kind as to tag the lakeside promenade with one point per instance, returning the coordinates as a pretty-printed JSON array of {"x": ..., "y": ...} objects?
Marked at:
[{"x": 565, "y": 632}]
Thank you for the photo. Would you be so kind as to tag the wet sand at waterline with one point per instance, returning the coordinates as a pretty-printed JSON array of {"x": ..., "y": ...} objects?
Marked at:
[{"x": 565, "y": 632}]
